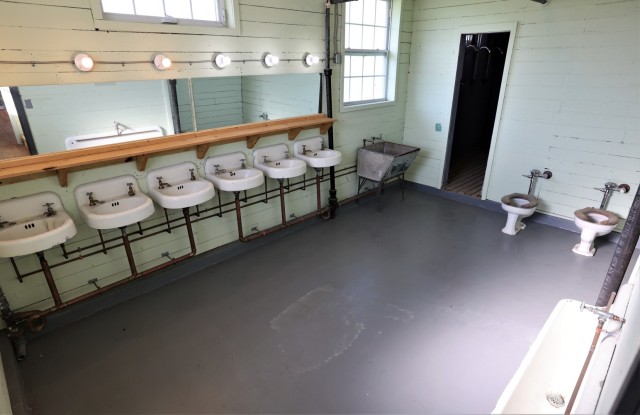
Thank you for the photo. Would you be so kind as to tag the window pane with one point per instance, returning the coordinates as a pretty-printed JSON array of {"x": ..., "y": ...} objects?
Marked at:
[
  {"x": 204, "y": 10},
  {"x": 367, "y": 37},
  {"x": 117, "y": 6},
  {"x": 356, "y": 66},
  {"x": 355, "y": 12},
  {"x": 379, "y": 87},
  {"x": 347, "y": 65},
  {"x": 347, "y": 86},
  {"x": 381, "y": 66},
  {"x": 180, "y": 9},
  {"x": 367, "y": 89},
  {"x": 382, "y": 12},
  {"x": 355, "y": 37},
  {"x": 369, "y": 66},
  {"x": 355, "y": 90},
  {"x": 149, "y": 8},
  {"x": 381, "y": 38},
  {"x": 369, "y": 11}
]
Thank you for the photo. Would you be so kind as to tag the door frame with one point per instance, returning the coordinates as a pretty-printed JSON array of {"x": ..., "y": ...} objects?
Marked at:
[{"x": 512, "y": 28}]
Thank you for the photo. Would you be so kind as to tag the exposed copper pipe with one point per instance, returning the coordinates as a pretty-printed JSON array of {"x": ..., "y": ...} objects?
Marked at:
[
  {"x": 127, "y": 248},
  {"x": 47, "y": 275}
]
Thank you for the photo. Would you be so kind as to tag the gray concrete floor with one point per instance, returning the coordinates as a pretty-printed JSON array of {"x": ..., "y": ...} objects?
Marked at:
[{"x": 425, "y": 307}]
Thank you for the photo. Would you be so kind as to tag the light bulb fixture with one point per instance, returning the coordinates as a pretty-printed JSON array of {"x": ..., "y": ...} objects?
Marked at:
[
  {"x": 310, "y": 60},
  {"x": 221, "y": 61},
  {"x": 83, "y": 62},
  {"x": 270, "y": 60},
  {"x": 162, "y": 62}
]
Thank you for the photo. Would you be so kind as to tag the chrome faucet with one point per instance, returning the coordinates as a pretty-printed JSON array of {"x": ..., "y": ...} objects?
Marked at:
[
  {"x": 322, "y": 147},
  {"x": 218, "y": 170},
  {"x": 264, "y": 116},
  {"x": 130, "y": 192},
  {"x": 286, "y": 154},
  {"x": 265, "y": 159},
  {"x": 242, "y": 165},
  {"x": 193, "y": 175},
  {"x": 304, "y": 150},
  {"x": 162, "y": 184},
  {"x": 92, "y": 201},
  {"x": 49, "y": 211}
]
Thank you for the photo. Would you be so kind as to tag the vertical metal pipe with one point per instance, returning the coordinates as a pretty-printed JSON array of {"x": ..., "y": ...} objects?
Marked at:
[
  {"x": 187, "y": 221},
  {"x": 238, "y": 215},
  {"x": 15, "y": 268},
  {"x": 320, "y": 96},
  {"x": 623, "y": 253},
  {"x": 127, "y": 248},
  {"x": 166, "y": 215},
  {"x": 47, "y": 275},
  {"x": 333, "y": 198},
  {"x": 319, "y": 203},
  {"x": 104, "y": 247},
  {"x": 283, "y": 212}
]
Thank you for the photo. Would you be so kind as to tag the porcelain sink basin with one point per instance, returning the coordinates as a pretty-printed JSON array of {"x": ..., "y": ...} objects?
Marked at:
[
  {"x": 227, "y": 173},
  {"x": 113, "y": 206},
  {"x": 277, "y": 165},
  {"x": 310, "y": 150},
  {"x": 26, "y": 229},
  {"x": 181, "y": 188}
]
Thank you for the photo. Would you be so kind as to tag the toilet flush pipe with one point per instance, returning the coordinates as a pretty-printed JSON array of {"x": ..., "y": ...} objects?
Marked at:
[{"x": 623, "y": 253}]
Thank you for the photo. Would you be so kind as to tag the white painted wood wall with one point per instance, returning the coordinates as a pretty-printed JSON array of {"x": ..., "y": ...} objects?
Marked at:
[
  {"x": 52, "y": 30},
  {"x": 571, "y": 103}
]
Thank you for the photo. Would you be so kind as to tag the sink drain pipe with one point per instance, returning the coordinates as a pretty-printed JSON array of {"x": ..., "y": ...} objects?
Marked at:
[{"x": 623, "y": 253}]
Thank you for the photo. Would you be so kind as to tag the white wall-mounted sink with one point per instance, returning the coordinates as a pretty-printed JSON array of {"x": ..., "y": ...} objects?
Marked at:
[
  {"x": 114, "y": 207},
  {"x": 310, "y": 150},
  {"x": 181, "y": 188},
  {"x": 231, "y": 176},
  {"x": 29, "y": 225},
  {"x": 277, "y": 165}
]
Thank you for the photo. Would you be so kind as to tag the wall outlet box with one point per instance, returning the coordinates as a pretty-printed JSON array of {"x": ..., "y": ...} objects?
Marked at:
[{"x": 438, "y": 127}]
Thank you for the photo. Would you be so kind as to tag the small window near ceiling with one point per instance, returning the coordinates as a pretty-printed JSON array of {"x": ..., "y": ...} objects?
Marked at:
[
  {"x": 193, "y": 12},
  {"x": 366, "y": 62}
]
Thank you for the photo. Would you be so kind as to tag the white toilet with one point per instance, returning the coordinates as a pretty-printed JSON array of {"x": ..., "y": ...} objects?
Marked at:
[
  {"x": 592, "y": 223},
  {"x": 518, "y": 206}
]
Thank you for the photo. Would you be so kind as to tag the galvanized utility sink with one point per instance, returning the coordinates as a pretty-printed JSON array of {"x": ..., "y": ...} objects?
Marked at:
[
  {"x": 312, "y": 151},
  {"x": 382, "y": 161},
  {"x": 178, "y": 186},
  {"x": 112, "y": 203},
  {"x": 33, "y": 223},
  {"x": 229, "y": 172}
]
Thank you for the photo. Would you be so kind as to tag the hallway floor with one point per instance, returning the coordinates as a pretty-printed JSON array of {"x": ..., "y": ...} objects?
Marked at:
[{"x": 425, "y": 307}]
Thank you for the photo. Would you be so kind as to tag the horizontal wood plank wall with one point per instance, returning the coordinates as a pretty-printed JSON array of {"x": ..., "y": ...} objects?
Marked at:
[
  {"x": 52, "y": 30},
  {"x": 571, "y": 103}
]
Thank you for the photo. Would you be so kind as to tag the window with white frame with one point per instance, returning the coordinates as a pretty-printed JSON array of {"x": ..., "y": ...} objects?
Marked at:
[
  {"x": 198, "y": 12},
  {"x": 366, "y": 59}
]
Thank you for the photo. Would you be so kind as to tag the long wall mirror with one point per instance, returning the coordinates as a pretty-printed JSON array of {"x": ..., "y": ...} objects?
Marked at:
[{"x": 62, "y": 117}]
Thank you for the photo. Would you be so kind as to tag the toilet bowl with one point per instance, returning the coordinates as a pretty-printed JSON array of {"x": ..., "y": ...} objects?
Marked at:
[
  {"x": 518, "y": 206},
  {"x": 592, "y": 223}
]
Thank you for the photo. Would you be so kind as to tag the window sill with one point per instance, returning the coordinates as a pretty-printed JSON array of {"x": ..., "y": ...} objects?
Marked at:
[
  {"x": 124, "y": 26},
  {"x": 373, "y": 105}
]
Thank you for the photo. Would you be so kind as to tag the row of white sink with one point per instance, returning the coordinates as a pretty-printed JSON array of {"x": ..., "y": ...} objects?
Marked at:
[{"x": 37, "y": 222}]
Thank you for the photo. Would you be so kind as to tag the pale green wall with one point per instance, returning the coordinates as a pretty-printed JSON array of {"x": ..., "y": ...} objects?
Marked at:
[
  {"x": 289, "y": 29},
  {"x": 571, "y": 102}
]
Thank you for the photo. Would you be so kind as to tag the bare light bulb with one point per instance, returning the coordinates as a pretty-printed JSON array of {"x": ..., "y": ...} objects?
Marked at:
[
  {"x": 271, "y": 60},
  {"x": 310, "y": 59},
  {"x": 162, "y": 62},
  {"x": 222, "y": 61},
  {"x": 83, "y": 62}
]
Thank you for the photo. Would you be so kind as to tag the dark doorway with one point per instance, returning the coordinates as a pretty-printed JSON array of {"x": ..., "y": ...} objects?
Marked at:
[{"x": 480, "y": 66}]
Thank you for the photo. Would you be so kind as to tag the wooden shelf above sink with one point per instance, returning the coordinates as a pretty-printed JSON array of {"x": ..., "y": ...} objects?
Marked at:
[{"x": 61, "y": 163}]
